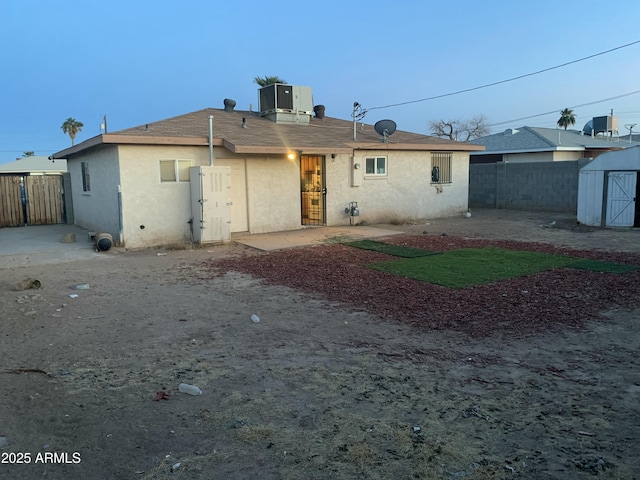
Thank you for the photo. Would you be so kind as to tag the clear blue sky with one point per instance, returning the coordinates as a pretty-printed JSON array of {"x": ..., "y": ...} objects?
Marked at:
[{"x": 139, "y": 61}]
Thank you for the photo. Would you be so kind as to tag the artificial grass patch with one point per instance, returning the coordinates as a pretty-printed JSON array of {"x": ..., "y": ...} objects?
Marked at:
[
  {"x": 605, "y": 267},
  {"x": 474, "y": 266},
  {"x": 395, "y": 250}
]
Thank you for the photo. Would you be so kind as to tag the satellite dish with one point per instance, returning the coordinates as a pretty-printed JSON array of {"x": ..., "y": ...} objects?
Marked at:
[{"x": 385, "y": 128}]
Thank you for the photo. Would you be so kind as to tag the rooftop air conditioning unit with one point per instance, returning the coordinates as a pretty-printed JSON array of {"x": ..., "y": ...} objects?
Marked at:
[
  {"x": 605, "y": 124},
  {"x": 286, "y": 98}
]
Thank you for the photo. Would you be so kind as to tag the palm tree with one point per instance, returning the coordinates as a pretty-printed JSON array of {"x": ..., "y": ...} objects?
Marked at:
[
  {"x": 71, "y": 127},
  {"x": 567, "y": 117},
  {"x": 268, "y": 80}
]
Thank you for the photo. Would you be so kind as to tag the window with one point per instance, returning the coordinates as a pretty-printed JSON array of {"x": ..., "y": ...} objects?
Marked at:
[
  {"x": 174, "y": 170},
  {"x": 441, "y": 167},
  {"x": 86, "y": 178},
  {"x": 375, "y": 166}
]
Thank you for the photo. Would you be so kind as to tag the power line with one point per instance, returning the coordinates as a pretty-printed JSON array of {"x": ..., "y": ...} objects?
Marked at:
[
  {"x": 572, "y": 107},
  {"x": 504, "y": 81}
]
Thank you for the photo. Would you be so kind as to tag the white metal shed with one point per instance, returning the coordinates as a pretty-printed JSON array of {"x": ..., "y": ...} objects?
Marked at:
[{"x": 607, "y": 190}]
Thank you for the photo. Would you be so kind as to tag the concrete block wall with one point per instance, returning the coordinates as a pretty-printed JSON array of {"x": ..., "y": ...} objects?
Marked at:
[
  {"x": 483, "y": 180},
  {"x": 550, "y": 186}
]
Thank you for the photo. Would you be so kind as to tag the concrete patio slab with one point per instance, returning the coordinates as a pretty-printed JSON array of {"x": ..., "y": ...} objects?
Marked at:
[{"x": 310, "y": 236}]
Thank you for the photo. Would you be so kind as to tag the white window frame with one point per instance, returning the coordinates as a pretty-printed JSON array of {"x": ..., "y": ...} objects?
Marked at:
[
  {"x": 376, "y": 167},
  {"x": 177, "y": 163},
  {"x": 443, "y": 162}
]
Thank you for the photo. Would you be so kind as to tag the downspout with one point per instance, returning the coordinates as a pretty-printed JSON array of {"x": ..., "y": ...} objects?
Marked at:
[
  {"x": 211, "y": 140},
  {"x": 120, "y": 234}
]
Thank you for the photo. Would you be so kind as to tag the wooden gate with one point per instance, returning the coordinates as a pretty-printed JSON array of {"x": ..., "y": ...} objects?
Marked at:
[
  {"x": 11, "y": 211},
  {"x": 31, "y": 200}
]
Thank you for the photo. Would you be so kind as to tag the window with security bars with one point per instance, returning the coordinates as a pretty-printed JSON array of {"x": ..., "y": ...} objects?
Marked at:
[{"x": 441, "y": 167}]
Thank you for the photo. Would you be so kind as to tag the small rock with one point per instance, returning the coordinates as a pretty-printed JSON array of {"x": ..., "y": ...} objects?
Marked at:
[
  {"x": 69, "y": 238},
  {"x": 255, "y": 318},
  {"x": 3, "y": 442}
]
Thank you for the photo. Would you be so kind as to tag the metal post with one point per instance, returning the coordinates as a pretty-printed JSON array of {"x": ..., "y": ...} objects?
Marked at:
[{"x": 211, "y": 158}]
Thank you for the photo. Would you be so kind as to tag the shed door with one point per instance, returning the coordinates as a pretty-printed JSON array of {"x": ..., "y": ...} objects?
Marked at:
[{"x": 621, "y": 199}]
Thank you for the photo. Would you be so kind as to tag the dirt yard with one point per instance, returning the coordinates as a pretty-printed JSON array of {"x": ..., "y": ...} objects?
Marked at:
[{"x": 349, "y": 373}]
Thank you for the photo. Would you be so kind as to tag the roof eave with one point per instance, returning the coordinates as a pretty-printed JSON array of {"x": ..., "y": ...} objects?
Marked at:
[{"x": 427, "y": 147}]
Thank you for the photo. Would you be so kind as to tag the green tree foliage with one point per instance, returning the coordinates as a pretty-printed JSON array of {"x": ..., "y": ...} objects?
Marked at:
[
  {"x": 71, "y": 127},
  {"x": 268, "y": 80},
  {"x": 567, "y": 117}
]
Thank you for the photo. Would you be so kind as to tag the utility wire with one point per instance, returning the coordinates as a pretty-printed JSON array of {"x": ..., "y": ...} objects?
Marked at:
[
  {"x": 504, "y": 81},
  {"x": 572, "y": 107}
]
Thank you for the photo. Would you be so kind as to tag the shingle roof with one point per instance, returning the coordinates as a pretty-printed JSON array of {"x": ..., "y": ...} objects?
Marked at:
[
  {"x": 262, "y": 135},
  {"x": 526, "y": 139}
]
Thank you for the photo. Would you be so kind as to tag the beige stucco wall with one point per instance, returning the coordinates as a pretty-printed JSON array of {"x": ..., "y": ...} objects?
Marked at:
[
  {"x": 405, "y": 194},
  {"x": 96, "y": 210},
  {"x": 154, "y": 212},
  {"x": 272, "y": 190}
]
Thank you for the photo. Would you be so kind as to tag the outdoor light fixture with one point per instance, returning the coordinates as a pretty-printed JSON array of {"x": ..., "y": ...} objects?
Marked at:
[{"x": 295, "y": 154}]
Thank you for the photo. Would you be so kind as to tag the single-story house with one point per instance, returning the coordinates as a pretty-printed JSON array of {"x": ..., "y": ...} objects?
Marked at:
[
  {"x": 536, "y": 144},
  {"x": 286, "y": 166},
  {"x": 608, "y": 190}
]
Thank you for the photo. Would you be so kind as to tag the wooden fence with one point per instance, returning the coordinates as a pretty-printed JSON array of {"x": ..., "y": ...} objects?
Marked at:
[{"x": 31, "y": 200}]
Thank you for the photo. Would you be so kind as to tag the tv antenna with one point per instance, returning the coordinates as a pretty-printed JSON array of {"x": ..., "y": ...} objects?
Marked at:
[
  {"x": 385, "y": 128},
  {"x": 630, "y": 127}
]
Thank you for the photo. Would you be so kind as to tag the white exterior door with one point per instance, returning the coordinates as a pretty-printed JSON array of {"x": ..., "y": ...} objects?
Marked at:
[
  {"x": 621, "y": 201},
  {"x": 211, "y": 204}
]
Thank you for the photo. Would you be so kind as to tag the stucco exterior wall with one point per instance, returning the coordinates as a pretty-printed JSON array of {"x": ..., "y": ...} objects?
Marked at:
[
  {"x": 272, "y": 190},
  {"x": 96, "y": 210},
  {"x": 404, "y": 194},
  {"x": 155, "y": 212}
]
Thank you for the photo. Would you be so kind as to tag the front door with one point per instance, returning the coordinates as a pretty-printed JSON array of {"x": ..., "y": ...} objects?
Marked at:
[{"x": 312, "y": 190}]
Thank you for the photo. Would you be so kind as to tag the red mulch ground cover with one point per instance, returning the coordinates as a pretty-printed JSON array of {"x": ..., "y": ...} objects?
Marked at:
[{"x": 539, "y": 302}]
